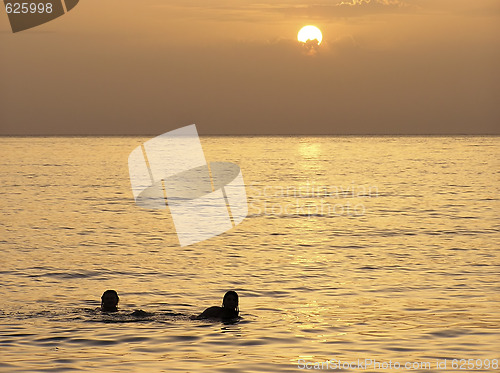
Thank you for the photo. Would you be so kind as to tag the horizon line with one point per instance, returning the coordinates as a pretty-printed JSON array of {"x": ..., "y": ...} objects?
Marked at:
[{"x": 267, "y": 135}]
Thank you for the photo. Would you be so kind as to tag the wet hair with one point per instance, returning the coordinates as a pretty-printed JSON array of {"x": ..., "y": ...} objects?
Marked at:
[
  {"x": 109, "y": 301},
  {"x": 228, "y": 294},
  {"x": 226, "y": 312}
]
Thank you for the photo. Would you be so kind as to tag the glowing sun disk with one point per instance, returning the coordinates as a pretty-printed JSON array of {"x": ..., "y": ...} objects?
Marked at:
[{"x": 309, "y": 33}]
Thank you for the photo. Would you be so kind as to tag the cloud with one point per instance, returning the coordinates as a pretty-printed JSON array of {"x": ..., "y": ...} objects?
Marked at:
[
  {"x": 348, "y": 9},
  {"x": 258, "y": 12},
  {"x": 469, "y": 8},
  {"x": 360, "y": 8}
]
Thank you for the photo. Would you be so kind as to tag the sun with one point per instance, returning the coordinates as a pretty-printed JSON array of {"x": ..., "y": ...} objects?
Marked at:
[{"x": 310, "y": 33}]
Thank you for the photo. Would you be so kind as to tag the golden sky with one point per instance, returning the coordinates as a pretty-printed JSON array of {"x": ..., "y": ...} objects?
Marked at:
[{"x": 235, "y": 67}]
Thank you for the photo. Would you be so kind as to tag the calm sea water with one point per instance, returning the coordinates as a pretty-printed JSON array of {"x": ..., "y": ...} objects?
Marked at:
[{"x": 381, "y": 248}]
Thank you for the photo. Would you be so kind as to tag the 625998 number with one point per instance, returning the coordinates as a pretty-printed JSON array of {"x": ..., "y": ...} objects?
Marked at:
[
  {"x": 474, "y": 364},
  {"x": 24, "y": 8}
]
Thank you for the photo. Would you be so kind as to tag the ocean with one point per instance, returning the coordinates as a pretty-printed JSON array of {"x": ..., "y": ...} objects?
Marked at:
[{"x": 358, "y": 254}]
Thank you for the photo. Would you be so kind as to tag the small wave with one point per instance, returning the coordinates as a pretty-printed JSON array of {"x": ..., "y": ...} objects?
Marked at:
[
  {"x": 96, "y": 316},
  {"x": 449, "y": 333}
]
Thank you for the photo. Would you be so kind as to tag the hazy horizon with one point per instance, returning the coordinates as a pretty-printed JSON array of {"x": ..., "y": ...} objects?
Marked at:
[
  {"x": 385, "y": 67},
  {"x": 266, "y": 135}
]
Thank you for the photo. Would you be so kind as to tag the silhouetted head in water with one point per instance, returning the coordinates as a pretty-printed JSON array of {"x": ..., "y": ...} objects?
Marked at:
[
  {"x": 230, "y": 304},
  {"x": 229, "y": 309},
  {"x": 109, "y": 301}
]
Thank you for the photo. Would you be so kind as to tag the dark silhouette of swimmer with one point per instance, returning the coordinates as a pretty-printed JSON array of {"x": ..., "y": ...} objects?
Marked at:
[
  {"x": 109, "y": 301},
  {"x": 229, "y": 309},
  {"x": 141, "y": 313}
]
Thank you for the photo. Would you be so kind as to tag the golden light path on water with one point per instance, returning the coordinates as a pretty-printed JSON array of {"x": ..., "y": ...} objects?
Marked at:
[{"x": 381, "y": 248}]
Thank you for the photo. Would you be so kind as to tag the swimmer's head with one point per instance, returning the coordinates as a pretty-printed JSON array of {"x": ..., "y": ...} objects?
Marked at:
[
  {"x": 230, "y": 300},
  {"x": 109, "y": 301}
]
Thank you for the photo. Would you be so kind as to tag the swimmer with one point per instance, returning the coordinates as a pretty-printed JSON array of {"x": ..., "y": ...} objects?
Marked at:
[
  {"x": 141, "y": 313},
  {"x": 229, "y": 309},
  {"x": 109, "y": 301}
]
